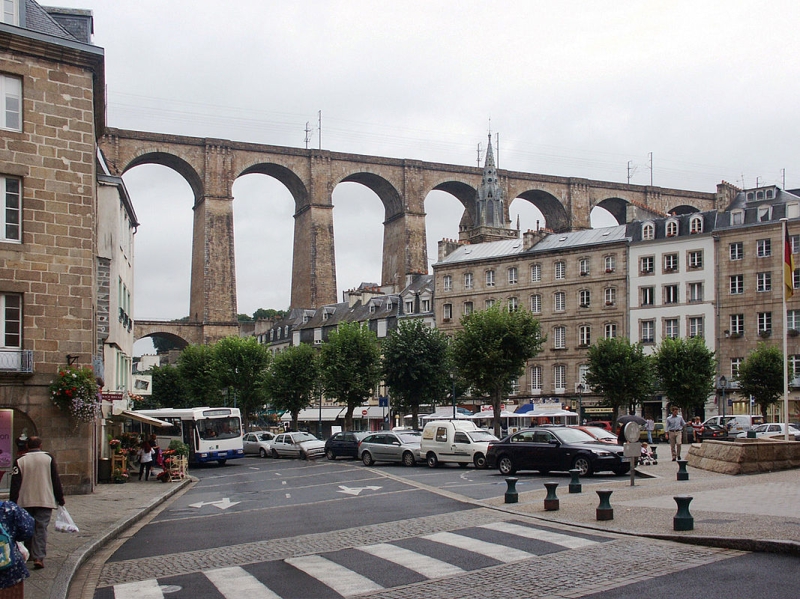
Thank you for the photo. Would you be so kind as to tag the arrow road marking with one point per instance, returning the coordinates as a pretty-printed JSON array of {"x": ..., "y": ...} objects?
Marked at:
[
  {"x": 356, "y": 490},
  {"x": 222, "y": 504}
]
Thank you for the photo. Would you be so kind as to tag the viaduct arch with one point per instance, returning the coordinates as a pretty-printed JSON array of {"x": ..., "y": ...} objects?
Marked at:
[{"x": 211, "y": 166}]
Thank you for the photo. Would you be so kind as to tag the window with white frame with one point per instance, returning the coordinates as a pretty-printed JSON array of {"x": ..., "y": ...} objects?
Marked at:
[
  {"x": 514, "y": 386},
  {"x": 585, "y": 335},
  {"x": 560, "y": 378},
  {"x": 672, "y": 328},
  {"x": 736, "y": 324},
  {"x": 764, "y": 213},
  {"x": 792, "y": 210},
  {"x": 610, "y": 330},
  {"x": 490, "y": 278},
  {"x": 737, "y": 217},
  {"x": 409, "y": 307},
  {"x": 512, "y": 275},
  {"x": 610, "y": 263},
  {"x": 794, "y": 240},
  {"x": 11, "y": 323},
  {"x": 696, "y": 224},
  {"x": 536, "y": 273},
  {"x": 765, "y": 322},
  {"x": 610, "y": 294},
  {"x": 736, "y": 251},
  {"x": 426, "y": 305},
  {"x": 489, "y": 303},
  {"x": 763, "y": 248},
  {"x": 695, "y": 292},
  {"x": 672, "y": 228},
  {"x": 671, "y": 295},
  {"x": 648, "y": 231},
  {"x": 794, "y": 368},
  {"x": 11, "y": 98},
  {"x": 447, "y": 282},
  {"x": 647, "y": 295},
  {"x": 583, "y": 266},
  {"x": 536, "y": 304},
  {"x": 559, "y": 301},
  {"x": 796, "y": 278},
  {"x": 695, "y": 259},
  {"x": 695, "y": 326},
  {"x": 584, "y": 298},
  {"x": 670, "y": 262},
  {"x": 583, "y": 370},
  {"x": 513, "y": 304},
  {"x": 648, "y": 331},
  {"x": 467, "y": 280},
  {"x": 10, "y": 189},
  {"x": 793, "y": 319},
  {"x": 536, "y": 379},
  {"x": 468, "y": 308},
  {"x": 763, "y": 282},
  {"x": 560, "y": 337},
  {"x": 735, "y": 364},
  {"x": 559, "y": 270},
  {"x": 736, "y": 284},
  {"x": 447, "y": 311},
  {"x": 11, "y": 12},
  {"x": 647, "y": 265}
]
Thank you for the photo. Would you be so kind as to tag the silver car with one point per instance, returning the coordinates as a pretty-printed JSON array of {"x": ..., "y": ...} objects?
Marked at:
[
  {"x": 297, "y": 445},
  {"x": 390, "y": 446},
  {"x": 260, "y": 443}
]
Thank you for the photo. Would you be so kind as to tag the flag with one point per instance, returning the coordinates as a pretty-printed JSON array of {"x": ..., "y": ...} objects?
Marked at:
[{"x": 788, "y": 264}]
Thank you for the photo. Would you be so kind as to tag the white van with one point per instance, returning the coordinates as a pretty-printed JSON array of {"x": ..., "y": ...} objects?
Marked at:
[
  {"x": 737, "y": 424},
  {"x": 457, "y": 441}
]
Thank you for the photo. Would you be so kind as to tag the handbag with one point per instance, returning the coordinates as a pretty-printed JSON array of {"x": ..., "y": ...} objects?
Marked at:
[{"x": 64, "y": 522}]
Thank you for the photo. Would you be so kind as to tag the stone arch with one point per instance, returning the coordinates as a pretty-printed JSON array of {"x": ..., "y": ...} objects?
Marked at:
[
  {"x": 392, "y": 200},
  {"x": 617, "y": 207},
  {"x": 176, "y": 340},
  {"x": 554, "y": 212},
  {"x": 464, "y": 193},
  {"x": 285, "y": 175},
  {"x": 683, "y": 209},
  {"x": 176, "y": 163}
]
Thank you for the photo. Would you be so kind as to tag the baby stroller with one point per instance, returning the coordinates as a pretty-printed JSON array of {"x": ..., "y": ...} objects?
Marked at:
[{"x": 648, "y": 458}]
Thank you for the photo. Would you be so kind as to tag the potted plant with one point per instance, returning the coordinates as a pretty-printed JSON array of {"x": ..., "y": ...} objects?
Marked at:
[
  {"x": 74, "y": 391},
  {"x": 119, "y": 476}
]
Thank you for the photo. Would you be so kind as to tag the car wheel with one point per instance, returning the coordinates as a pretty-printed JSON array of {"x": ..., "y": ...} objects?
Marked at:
[
  {"x": 303, "y": 455},
  {"x": 506, "y": 466},
  {"x": 583, "y": 465},
  {"x": 479, "y": 460},
  {"x": 366, "y": 457},
  {"x": 432, "y": 460},
  {"x": 408, "y": 459},
  {"x": 275, "y": 454},
  {"x": 330, "y": 455},
  {"x": 622, "y": 470},
  {"x": 262, "y": 453}
]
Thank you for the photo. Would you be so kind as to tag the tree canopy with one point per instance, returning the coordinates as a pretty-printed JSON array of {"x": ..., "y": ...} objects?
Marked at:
[
  {"x": 416, "y": 366},
  {"x": 492, "y": 348},
  {"x": 350, "y": 366},
  {"x": 761, "y": 376},
  {"x": 620, "y": 372},
  {"x": 198, "y": 371},
  {"x": 168, "y": 389},
  {"x": 242, "y": 363},
  {"x": 686, "y": 370},
  {"x": 293, "y": 379}
]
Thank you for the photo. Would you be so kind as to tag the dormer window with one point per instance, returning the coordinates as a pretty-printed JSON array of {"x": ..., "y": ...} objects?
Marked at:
[
  {"x": 737, "y": 217},
  {"x": 696, "y": 224},
  {"x": 11, "y": 12},
  {"x": 648, "y": 231},
  {"x": 672, "y": 228},
  {"x": 764, "y": 214}
]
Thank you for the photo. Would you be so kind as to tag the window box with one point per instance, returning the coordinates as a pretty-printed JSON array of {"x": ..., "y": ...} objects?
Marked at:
[
  {"x": 793, "y": 332},
  {"x": 646, "y": 272},
  {"x": 736, "y": 336},
  {"x": 670, "y": 269},
  {"x": 584, "y": 274},
  {"x": 584, "y": 305},
  {"x": 765, "y": 334},
  {"x": 445, "y": 320},
  {"x": 671, "y": 234},
  {"x": 583, "y": 345},
  {"x": 609, "y": 270},
  {"x": 648, "y": 340},
  {"x": 609, "y": 303}
]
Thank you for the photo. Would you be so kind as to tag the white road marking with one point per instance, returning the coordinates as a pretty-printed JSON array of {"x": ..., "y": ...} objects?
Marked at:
[
  {"x": 143, "y": 589},
  {"x": 419, "y": 563},
  {"x": 235, "y": 583},
  {"x": 342, "y": 580},
  {"x": 493, "y": 550},
  {"x": 288, "y": 496},
  {"x": 542, "y": 535}
]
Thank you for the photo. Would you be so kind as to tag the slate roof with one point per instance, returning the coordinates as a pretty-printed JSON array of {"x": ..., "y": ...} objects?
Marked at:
[{"x": 37, "y": 19}]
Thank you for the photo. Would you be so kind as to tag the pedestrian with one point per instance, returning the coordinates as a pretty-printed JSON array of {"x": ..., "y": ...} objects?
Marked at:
[
  {"x": 649, "y": 426},
  {"x": 36, "y": 486},
  {"x": 158, "y": 459},
  {"x": 697, "y": 430},
  {"x": 18, "y": 524},
  {"x": 145, "y": 460},
  {"x": 675, "y": 424}
]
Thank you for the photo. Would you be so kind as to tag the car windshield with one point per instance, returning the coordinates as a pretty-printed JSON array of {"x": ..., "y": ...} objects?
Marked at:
[
  {"x": 573, "y": 435},
  {"x": 760, "y": 428},
  {"x": 409, "y": 437},
  {"x": 265, "y": 437},
  {"x": 478, "y": 436},
  {"x": 300, "y": 437}
]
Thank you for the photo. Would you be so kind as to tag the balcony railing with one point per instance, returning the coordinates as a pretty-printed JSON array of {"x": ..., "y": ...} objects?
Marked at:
[{"x": 16, "y": 360}]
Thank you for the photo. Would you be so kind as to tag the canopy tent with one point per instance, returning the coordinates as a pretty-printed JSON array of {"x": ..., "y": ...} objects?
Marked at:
[
  {"x": 313, "y": 414},
  {"x": 145, "y": 419}
]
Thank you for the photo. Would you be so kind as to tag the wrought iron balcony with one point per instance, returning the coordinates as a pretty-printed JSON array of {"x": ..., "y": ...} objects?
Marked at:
[{"x": 16, "y": 360}]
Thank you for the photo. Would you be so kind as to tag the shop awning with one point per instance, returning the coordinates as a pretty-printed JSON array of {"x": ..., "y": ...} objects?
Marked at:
[
  {"x": 145, "y": 419},
  {"x": 312, "y": 415}
]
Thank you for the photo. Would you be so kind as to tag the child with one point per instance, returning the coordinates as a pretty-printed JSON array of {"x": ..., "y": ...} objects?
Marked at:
[{"x": 647, "y": 458}]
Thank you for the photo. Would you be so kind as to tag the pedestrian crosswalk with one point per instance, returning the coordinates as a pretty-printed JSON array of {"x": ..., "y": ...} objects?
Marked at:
[{"x": 374, "y": 567}]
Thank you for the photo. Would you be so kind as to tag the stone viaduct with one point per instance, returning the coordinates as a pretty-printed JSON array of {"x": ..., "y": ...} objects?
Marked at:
[{"x": 211, "y": 166}]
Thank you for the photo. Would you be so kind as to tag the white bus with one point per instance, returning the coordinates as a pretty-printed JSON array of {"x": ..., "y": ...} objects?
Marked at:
[{"x": 212, "y": 434}]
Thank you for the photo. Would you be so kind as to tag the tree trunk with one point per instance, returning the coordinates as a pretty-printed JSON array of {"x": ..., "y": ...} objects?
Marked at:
[
  {"x": 294, "y": 419},
  {"x": 348, "y": 418},
  {"x": 414, "y": 417},
  {"x": 498, "y": 424}
]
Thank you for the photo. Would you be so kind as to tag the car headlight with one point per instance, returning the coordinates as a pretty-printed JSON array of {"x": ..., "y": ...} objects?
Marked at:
[{"x": 601, "y": 452}]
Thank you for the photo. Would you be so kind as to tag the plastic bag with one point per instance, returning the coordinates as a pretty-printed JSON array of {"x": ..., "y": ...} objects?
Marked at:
[
  {"x": 64, "y": 522},
  {"x": 23, "y": 551}
]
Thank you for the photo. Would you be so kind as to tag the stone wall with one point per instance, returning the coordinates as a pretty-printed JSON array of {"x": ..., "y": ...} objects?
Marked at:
[{"x": 745, "y": 456}]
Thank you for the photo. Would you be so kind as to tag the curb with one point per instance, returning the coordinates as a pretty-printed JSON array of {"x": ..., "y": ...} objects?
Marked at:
[{"x": 77, "y": 558}]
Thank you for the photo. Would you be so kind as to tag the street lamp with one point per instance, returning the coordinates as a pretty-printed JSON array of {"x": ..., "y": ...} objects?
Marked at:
[
  {"x": 723, "y": 383},
  {"x": 580, "y": 402},
  {"x": 453, "y": 381}
]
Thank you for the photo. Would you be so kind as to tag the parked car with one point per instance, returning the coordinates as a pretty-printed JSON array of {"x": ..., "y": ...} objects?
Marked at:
[
  {"x": 659, "y": 434},
  {"x": 714, "y": 431},
  {"x": 776, "y": 430},
  {"x": 344, "y": 444},
  {"x": 457, "y": 441},
  {"x": 606, "y": 424},
  {"x": 556, "y": 448},
  {"x": 737, "y": 424},
  {"x": 600, "y": 434},
  {"x": 260, "y": 443},
  {"x": 297, "y": 445},
  {"x": 390, "y": 446}
]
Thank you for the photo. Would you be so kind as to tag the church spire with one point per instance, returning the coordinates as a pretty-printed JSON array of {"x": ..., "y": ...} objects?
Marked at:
[{"x": 489, "y": 200}]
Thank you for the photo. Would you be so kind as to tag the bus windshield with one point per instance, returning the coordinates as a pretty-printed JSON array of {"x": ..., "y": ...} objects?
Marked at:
[{"x": 218, "y": 428}]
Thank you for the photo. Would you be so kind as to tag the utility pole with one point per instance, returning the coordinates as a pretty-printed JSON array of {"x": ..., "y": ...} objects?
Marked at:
[
  {"x": 497, "y": 137},
  {"x": 308, "y": 134},
  {"x": 783, "y": 177},
  {"x": 630, "y": 174},
  {"x": 319, "y": 129},
  {"x": 651, "y": 169},
  {"x": 479, "y": 154}
]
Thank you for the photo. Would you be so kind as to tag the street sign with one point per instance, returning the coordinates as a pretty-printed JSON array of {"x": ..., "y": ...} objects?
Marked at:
[{"x": 364, "y": 412}]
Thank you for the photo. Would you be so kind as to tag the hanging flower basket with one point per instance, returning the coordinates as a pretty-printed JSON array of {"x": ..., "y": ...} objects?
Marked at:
[{"x": 75, "y": 391}]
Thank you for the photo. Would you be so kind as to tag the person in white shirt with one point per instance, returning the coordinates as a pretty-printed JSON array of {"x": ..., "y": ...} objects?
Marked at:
[{"x": 675, "y": 424}]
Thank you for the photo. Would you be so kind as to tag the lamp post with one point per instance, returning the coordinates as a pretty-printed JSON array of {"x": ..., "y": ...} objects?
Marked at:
[
  {"x": 723, "y": 383},
  {"x": 453, "y": 381},
  {"x": 580, "y": 403}
]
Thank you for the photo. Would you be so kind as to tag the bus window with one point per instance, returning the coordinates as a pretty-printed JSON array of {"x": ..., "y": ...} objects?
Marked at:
[{"x": 219, "y": 428}]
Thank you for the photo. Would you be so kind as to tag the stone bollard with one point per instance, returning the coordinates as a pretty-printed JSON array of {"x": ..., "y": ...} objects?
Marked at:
[
  {"x": 511, "y": 492},
  {"x": 683, "y": 519},
  {"x": 682, "y": 473},
  {"x": 604, "y": 510},
  {"x": 551, "y": 501},
  {"x": 575, "y": 483}
]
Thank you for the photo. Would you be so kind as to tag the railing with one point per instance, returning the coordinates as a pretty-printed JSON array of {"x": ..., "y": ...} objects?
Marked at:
[{"x": 16, "y": 360}]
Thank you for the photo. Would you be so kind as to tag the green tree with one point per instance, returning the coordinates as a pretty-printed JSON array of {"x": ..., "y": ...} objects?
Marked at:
[
  {"x": 491, "y": 350},
  {"x": 169, "y": 390},
  {"x": 241, "y": 363},
  {"x": 198, "y": 371},
  {"x": 243, "y": 318},
  {"x": 350, "y": 366},
  {"x": 264, "y": 314},
  {"x": 293, "y": 379},
  {"x": 416, "y": 366},
  {"x": 761, "y": 376},
  {"x": 620, "y": 372},
  {"x": 686, "y": 370},
  {"x": 164, "y": 344}
]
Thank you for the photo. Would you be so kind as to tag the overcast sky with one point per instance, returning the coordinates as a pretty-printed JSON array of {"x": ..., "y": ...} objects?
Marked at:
[{"x": 572, "y": 88}]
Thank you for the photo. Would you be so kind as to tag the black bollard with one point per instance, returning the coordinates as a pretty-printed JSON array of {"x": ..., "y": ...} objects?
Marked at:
[
  {"x": 511, "y": 493},
  {"x": 655, "y": 454},
  {"x": 551, "y": 501},
  {"x": 683, "y": 519},
  {"x": 682, "y": 473},
  {"x": 604, "y": 510},
  {"x": 575, "y": 483}
]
